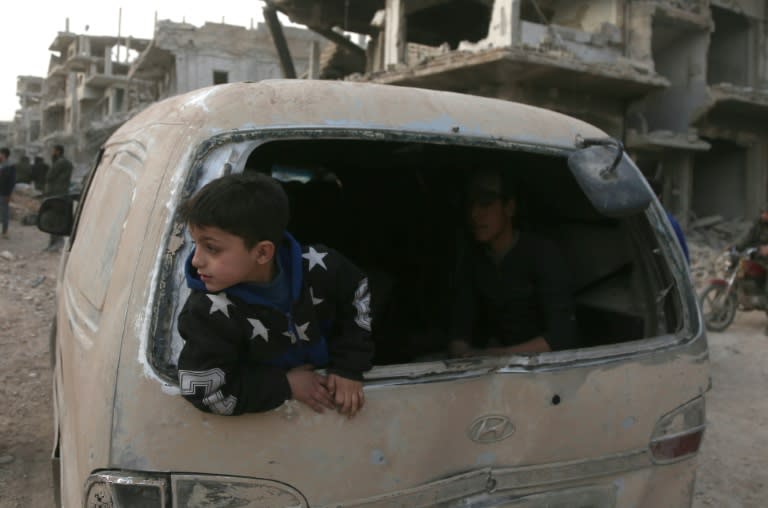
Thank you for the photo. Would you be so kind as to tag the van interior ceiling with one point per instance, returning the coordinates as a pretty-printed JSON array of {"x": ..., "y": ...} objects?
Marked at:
[{"x": 397, "y": 211}]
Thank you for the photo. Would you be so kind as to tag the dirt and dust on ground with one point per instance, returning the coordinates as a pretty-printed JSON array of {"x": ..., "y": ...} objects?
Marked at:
[{"x": 732, "y": 472}]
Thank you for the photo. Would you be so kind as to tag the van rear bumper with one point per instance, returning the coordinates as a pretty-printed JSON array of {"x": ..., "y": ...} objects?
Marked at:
[{"x": 630, "y": 479}]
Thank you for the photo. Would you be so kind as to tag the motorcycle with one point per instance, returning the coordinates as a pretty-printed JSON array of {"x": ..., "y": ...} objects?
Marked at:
[{"x": 742, "y": 288}]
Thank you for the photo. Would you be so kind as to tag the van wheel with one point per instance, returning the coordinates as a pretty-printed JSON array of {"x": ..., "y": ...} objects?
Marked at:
[{"x": 718, "y": 312}]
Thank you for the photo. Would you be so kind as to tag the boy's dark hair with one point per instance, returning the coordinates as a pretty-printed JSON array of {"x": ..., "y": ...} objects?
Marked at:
[
  {"x": 252, "y": 206},
  {"x": 5, "y": 152},
  {"x": 59, "y": 148},
  {"x": 490, "y": 183}
]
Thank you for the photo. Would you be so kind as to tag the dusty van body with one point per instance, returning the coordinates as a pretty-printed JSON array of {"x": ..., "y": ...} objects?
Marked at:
[{"x": 615, "y": 423}]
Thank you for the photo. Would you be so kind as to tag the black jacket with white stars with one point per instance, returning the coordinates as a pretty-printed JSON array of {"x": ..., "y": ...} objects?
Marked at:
[{"x": 239, "y": 347}]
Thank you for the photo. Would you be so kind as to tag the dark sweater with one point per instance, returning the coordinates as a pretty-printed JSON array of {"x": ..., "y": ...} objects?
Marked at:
[
  {"x": 7, "y": 179},
  {"x": 239, "y": 345},
  {"x": 524, "y": 296}
]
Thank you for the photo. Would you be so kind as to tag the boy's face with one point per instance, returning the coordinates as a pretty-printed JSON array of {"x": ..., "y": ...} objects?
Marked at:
[
  {"x": 222, "y": 259},
  {"x": 489, "y": 217}
]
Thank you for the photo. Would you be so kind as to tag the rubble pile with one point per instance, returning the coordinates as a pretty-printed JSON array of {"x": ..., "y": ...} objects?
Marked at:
[
  {"x": 25, "y": 202},
  {"x": 708, "y": 238}
]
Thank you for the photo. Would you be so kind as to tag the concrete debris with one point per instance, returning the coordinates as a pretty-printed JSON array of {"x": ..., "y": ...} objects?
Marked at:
[
  {"x": 37, "y": 281},
  {"x": 26, "y": 189},
  {"x": 6, "y": 459},
  {"x": 707, "y": 221},
  {"x": 7, "y": 255}
]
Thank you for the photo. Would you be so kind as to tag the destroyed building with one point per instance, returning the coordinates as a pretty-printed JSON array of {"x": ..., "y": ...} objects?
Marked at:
[
  {"x": 182, "y": 57},
  {"x": 95, "y": 83},
  {"x": 684, "y": 83},
  {"x": 87, "y": 90},
  {"x": 26, "y": 123},
  {"x": 6, "y": 134}
]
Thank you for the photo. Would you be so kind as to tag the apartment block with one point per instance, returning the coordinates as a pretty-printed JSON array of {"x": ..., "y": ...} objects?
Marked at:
[
  {"x": 182, "y": 57},
  {"x": 26, "y": 123},
  {"x": 684, "y": 83}
]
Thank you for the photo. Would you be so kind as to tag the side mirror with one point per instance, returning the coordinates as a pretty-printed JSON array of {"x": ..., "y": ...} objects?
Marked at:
[
  {"x": 608, "y": 178},
  {"x": 56, "y": 216}
]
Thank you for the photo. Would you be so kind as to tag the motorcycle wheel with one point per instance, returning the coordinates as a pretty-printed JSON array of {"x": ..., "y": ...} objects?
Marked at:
[{"x": 718, "y": 315}]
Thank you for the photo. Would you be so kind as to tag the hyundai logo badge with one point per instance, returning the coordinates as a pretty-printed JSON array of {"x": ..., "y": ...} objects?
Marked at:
[{"x": 490, "y": 429}]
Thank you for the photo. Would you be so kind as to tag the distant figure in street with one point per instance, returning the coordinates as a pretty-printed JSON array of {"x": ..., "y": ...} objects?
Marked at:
[
  {"x": 39, "y": 173},
  {"x": 57, "y": 184},
  {"x": 7, "y": 183}
]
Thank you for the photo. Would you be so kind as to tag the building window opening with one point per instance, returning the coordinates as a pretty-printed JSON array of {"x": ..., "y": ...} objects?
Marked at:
[
  {"x": 220, "y": 77},
  {"x": 729, "y": 49},
  {"x": 119, "y": 100}
]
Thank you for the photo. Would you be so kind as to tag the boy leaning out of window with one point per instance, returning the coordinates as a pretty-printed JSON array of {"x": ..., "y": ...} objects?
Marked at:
[{"x": 264, "y": 312}]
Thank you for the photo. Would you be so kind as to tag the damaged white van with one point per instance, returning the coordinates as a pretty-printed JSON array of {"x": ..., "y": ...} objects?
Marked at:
[{"x": 378, "y": 173}]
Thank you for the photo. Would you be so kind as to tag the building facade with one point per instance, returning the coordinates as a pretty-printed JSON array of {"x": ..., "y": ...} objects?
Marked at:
[
  {"x": 684, "y": 83},
  {"x": 95, "y": 83},
  {"x": 182, "y": 57}
]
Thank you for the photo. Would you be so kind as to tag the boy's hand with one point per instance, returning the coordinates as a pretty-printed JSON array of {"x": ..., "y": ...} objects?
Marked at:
[
  {"x": 348, "y": 394},
  {"x": 309, "y": 387}
]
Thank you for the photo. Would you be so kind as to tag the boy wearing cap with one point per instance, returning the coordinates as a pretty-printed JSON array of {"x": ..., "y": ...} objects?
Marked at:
[
  {"x": 513, "y": 295},
  {"x": 264, "y": 311}
]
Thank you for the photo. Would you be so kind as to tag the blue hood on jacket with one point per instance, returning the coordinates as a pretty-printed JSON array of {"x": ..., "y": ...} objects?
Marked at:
[{"x": 289, "y": 254}]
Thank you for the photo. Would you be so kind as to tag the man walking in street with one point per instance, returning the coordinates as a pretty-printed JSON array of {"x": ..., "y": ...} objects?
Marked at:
[
  {"x": 7, "y": 183},
  {"x": 57, "y": 184}
]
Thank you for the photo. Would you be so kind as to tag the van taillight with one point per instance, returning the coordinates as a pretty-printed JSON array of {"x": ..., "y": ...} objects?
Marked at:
[
  {"x": 123, "y": 489},
  {"x": 678, "y": 434}
]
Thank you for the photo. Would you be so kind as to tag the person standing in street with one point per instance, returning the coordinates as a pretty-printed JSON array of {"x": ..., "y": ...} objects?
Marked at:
[
  {"x": 57, "y": 184},
  {"x": 7, "y": 183}
]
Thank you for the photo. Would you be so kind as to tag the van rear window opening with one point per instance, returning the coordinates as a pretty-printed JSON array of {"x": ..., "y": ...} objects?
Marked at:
[{"x": 399, "y": 211}]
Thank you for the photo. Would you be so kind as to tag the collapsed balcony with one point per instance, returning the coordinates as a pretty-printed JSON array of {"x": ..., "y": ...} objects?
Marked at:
[{"x": 472, "y": 44}]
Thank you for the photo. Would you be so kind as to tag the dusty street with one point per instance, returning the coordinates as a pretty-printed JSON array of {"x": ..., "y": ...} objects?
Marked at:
[{"x": 732, "y": 473}]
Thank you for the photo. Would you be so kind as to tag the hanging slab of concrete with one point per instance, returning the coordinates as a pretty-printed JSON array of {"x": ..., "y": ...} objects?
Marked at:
[
  {"x": 730, "y": 104},
  {"x": 664, "y": 140},
  {"x": 152, "y": 63}
]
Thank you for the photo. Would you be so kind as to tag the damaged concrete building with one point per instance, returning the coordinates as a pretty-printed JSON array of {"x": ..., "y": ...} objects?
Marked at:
[
  {"x": 87, "y": 91},
  {"x": 684, "y": 83},
  {"x": 95, "y": 83},
  {"x": 182, "y": 57},
  {"x": 27, "y": 121},
  {"x": 6, "y": 134}
]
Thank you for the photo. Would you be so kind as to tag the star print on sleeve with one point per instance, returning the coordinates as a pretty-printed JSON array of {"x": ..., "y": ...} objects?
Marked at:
[
  {"x": 220, "y": 302},
  {"x": 301, "y": 331},
  {"x": 315, "y": 258},
  {"x": 259, "y": 330},
  {"x": 315, "y": 300}
]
